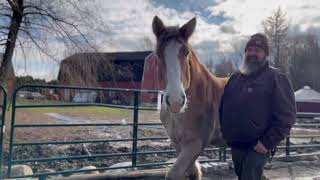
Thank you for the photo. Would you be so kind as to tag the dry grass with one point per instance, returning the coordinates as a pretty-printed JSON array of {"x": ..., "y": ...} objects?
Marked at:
[{"x": 101, "y": 115}]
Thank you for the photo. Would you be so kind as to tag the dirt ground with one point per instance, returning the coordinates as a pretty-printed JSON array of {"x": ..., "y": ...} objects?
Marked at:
[
  {"x": 80, "y": 115},
  {"x": 83, "y": 115},
  {"x": 276, "y": 170}
]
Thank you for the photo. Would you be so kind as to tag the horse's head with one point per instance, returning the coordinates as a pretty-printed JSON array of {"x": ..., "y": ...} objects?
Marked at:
[{"x": 173, "y": 68}]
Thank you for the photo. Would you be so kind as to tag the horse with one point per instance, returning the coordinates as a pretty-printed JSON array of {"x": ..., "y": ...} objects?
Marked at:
[{"x": 190, "y": 109}]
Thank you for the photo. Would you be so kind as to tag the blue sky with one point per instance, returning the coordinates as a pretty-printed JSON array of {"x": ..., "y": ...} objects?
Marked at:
[
  {"x": 198, "y": 7},
  {"x": 218, "y": 23}
]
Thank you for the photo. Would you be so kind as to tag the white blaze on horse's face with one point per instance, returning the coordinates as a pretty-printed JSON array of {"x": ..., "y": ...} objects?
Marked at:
[
  {"x": 173, "y": 64},
  {"x": 175, "y": 97}
]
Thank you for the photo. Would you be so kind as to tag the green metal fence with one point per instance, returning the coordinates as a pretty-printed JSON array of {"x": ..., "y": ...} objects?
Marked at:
[
  {"x": 2, "y": 133},
  {"x": 134, "y": 140},
  {"x": 288, "y": 147},
  {"x": 136, "y": 107}
]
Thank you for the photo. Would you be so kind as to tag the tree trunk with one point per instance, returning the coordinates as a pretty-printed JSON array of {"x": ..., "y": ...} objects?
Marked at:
[{"x": 6, "y": 70}]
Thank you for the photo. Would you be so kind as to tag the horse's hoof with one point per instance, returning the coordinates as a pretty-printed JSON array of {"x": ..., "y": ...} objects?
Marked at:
[
  {"x": 195, "y": 177},
  {"x": 172, "y": 176},
  {"x": 263, "y": 177},
  {"x": 169, "y": 178}
]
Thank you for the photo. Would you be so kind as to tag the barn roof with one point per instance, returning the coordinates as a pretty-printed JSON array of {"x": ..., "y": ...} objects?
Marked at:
[
  {"x": 89, "y": 68},
  {"x": 116, "y": 56},
  {"x": 307, "y": 94}
]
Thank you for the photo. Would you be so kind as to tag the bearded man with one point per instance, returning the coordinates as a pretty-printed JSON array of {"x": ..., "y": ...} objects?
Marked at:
[{"x": 257, "y": 110}]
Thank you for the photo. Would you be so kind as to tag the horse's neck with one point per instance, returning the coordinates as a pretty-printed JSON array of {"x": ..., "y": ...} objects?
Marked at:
[
  {"x": 202, "y": 83},
  {"x": 198, "y": 73}
]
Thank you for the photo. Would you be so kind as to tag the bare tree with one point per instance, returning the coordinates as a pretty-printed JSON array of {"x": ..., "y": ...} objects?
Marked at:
[
  {"x": 276, "y": 28},
  {"x": 224, "y": 69},
  {"x": 147, "y": 44},
  {"x": 43, "y": 22},
  {"x": 305, "y": 60},
  {"x": 209, "y": 64},
  {"x": 237, "y": 51}
]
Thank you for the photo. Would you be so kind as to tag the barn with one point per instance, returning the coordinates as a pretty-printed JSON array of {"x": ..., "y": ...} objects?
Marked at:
[
  {"x": 110, "y": 70},
  {"x": 308, "y": 100}
]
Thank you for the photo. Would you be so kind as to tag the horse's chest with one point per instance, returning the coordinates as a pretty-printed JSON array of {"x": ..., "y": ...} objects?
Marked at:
[
  {"x": 174, "y": 126},
  {"x": 176, "y": 130}
]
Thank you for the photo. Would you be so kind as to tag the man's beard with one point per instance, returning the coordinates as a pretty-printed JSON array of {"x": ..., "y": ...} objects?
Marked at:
[{"x": 251, "y": 65}]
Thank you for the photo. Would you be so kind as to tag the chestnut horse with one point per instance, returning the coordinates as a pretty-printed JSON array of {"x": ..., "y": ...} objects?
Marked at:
[{"x": 192, "y": 95}]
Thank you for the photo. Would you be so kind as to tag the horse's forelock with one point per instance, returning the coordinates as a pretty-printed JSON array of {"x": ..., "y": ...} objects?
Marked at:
[{"x": 171, "y": 33}]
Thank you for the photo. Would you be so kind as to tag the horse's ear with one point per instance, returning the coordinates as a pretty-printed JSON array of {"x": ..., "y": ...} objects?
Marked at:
[
  {"x": 187, "y": 29},
  {"x": 157, "y": 26}
]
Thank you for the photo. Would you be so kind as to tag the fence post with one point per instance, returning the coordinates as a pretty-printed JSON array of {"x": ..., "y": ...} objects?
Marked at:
[
  {"x": 12, "y": 126},
  {"x": 3, "y": 126},
  {"x": 220, "y": 153},
  {"x": 135, "y": 129},
  {"x": 224, "y": 154},
  {"x": 288, "y": 146},
  {"x": 42, "y": 177}
]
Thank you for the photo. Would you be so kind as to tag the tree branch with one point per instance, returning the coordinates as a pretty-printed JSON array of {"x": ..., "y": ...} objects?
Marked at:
[
  {"x": 38, "y": 46},
  {"x": 5, "y": 15},
  {"x": 15, "y": 6},
  {"x": 23, "y": 53},
  {"x": 57, "y": 22},
  {"x": 11, "y": 3},
  {"x": 47, "y": 13}
]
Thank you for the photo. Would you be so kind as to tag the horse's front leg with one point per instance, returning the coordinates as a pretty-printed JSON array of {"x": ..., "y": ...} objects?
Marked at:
[
  {"x": 189, "y": 153},
  {"x": 194, "y": 172}
]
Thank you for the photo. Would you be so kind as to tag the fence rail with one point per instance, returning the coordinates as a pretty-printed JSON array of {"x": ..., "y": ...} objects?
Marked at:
[{"x": 136, "y": 107}]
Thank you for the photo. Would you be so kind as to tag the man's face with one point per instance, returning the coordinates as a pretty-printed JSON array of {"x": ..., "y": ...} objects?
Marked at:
[
  {"x": 255, "y": 54},
  {"x": 255, "y": 58}
]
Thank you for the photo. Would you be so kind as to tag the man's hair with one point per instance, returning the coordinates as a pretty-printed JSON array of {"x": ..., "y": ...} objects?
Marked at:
[{"x": 259, "y": 40}]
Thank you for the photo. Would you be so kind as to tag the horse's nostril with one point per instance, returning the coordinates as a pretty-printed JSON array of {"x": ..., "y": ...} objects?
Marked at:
[
  {"x": 167, "y": 100},
  {"x": 183, "y": 100}
]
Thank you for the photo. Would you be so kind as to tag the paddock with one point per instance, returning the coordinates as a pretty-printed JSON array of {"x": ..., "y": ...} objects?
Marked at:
[{"x": 138, "y": 138}]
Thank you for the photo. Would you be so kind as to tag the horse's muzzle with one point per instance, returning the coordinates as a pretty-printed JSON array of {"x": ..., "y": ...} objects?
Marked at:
[{"x": 175, "y": 105}]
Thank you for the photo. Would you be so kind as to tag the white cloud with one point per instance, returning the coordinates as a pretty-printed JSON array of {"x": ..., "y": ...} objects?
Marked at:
[
  {"x": 129, "y": 23},
  {"x": 31, "y": 61},
  {"x": 37, "y": 68},
  {"x": 247, "y": 15},
  {"x": 132, "y": 22}
]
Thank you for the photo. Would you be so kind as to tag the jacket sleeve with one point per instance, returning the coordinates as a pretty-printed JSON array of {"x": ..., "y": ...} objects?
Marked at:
[
  {"x": 283, "y": 112},
  {"x": 221, "y": 108},
  {"x": 232, "y": 76},
  {"x": 221, "y": 99}
]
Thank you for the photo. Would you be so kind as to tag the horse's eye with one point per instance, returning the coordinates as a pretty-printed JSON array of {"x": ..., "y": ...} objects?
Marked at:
[{"x": 187, "y": 53}]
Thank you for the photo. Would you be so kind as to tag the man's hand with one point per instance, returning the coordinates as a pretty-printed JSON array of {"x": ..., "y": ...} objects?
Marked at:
[{"x": 260, "y": 148}]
